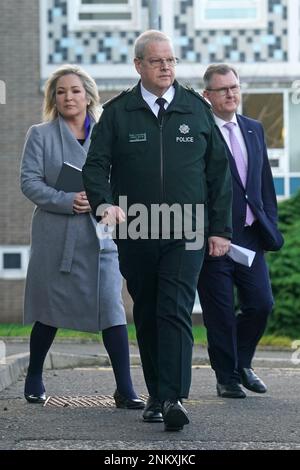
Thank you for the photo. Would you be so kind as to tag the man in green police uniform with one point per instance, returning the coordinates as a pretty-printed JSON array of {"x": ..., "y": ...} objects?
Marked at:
[{"x": 157, "y": 144}]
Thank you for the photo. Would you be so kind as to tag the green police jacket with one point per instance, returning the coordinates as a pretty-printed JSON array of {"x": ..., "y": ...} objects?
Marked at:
[{"x": 180, "y": 161}]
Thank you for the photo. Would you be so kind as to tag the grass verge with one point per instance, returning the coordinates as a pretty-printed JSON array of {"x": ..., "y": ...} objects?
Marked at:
[{"x": 11, "y": 330}]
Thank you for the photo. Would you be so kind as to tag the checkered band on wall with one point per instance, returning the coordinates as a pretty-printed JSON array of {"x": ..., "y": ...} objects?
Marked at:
[
  {"x": 194, "y": 44},
  {"x": 94, "y": 45},
  {"x": 204, "y": 45}
]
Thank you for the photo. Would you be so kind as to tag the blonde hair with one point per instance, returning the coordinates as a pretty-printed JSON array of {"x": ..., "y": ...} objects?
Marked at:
[{"x": 50, "y": 112}]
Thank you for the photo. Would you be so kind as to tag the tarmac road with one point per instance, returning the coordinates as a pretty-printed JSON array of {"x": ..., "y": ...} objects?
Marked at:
[{"x": 269, "y": 421}]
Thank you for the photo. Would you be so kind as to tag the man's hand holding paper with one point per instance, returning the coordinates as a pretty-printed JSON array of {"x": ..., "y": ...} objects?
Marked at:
[{"x": 241, "y": 255}]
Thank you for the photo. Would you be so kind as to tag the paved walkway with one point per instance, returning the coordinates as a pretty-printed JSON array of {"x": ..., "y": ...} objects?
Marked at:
[
  {"x": 69, "y": 354},
  {"x": 269, "y": 421}
]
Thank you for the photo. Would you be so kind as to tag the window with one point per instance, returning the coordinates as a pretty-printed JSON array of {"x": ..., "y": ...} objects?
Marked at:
[
  {"x": 230, "y": 13},
  {"x": 294, "y": 119},
  {"x": 111, "y": 14},
  {"x": 2, "y": 353},
  {"x": 268, "y": 108},
  {"x": 2, "y": 92},
  {"x": 13, "y": 262}
]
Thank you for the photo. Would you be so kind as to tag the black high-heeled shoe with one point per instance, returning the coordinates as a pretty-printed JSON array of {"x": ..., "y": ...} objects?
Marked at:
[
  {"x": 34, "y": 390},
  {"x": 128, "y": 403},
  {"x": 35, "y": 398}
]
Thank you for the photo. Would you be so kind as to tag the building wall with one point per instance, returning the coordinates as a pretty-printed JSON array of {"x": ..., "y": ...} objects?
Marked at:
[
  {"x": 264, "y": 47},
  {"x": 232, "y": 43},
  {"x": 198, "y": 41},
  {"x": 36, "y": 36},
  {"x": 20, "y": 71},
  {"x": 11, "y": 301},
  {"x": 194, "y": 39}
]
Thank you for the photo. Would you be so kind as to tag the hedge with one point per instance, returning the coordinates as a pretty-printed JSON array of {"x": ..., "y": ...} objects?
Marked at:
[{"x": 285, "y": 272}]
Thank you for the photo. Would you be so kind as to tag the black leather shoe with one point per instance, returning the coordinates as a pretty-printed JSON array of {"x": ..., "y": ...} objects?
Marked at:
[
  {"x": 153, "y": 411},
  {"x": 251, "y": 381},
  {"x": 35, "y": 398},
  {"x": 230, "y": 390},
  {"x": 128, "y": 403},
  {"x": 175, "y": 415}
]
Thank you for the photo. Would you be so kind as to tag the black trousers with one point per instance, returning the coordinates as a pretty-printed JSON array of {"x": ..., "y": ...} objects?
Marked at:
[
  {"x": 232, "y": 338},
  {"x": 162, "y": 279}
]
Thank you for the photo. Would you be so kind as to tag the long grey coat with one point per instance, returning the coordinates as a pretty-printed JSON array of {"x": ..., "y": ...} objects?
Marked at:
[{"x": 68, "y": 283}]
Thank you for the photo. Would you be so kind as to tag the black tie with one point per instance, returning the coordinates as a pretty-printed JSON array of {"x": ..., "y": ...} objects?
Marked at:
[{"x": 161, "y": 102}]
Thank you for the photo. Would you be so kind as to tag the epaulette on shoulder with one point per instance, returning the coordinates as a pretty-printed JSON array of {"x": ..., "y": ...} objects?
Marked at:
[
  {"x": 115, "y": 98},
  {"x": 200, "y": 97}
]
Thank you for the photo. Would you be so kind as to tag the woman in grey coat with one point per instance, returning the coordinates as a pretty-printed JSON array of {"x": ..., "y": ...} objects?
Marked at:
[{"x": 73, "y": 278}]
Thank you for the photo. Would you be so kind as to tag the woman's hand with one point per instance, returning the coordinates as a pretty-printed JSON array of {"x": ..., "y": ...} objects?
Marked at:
[{"x": 81, "y": 204}]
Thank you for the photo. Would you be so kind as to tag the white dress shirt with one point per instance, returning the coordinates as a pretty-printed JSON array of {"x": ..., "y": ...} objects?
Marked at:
[
  {"x": 150, "y": 98},
  {"x": 238, "y": 133}
]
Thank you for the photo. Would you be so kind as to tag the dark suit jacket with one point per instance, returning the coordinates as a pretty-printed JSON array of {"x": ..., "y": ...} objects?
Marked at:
[{"x": 259, "y": 192}]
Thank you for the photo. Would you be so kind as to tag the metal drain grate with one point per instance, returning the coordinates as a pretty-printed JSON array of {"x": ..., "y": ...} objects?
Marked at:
[
  {"x": 107, "y": 401},
  {"x": 104, "y": 401}
]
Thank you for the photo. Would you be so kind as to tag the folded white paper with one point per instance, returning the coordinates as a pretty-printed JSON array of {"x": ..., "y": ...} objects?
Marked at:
[
  {"x": 241, "y": 255},
  {"x": 105, "y": 235},
  {"x": 104, "y": 231}
]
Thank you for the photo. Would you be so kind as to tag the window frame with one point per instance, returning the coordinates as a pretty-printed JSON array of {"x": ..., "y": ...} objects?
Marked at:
[
  {"x": 275, "y": 153},
  {"x": 284, "y": 171},
  {"x": 7, "y": 273},
  {"x": 76, "y": 7}
]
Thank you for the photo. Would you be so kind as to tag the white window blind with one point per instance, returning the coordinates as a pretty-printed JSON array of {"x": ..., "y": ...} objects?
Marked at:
[
  {"x": 109, "y": 14},
  {"x": 231, "y": 13}
]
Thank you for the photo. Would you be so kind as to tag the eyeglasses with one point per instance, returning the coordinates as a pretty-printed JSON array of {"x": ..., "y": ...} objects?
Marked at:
[
  {"x": 235, "y": 89},
  {"x": 158, "y": 63}
]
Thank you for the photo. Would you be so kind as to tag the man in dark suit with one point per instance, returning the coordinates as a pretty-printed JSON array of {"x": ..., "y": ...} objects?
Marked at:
[{"x": 232, "y": 338}]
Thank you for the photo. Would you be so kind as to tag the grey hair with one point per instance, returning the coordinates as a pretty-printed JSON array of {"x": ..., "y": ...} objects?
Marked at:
[
  {"x": 50, "y": 112},
  {"x": 144, "y": 39},
  {"x": 219, "y": 69}
]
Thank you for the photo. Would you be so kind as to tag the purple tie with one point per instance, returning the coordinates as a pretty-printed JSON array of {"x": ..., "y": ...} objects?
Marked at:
[{"x": 240, "y": 164}]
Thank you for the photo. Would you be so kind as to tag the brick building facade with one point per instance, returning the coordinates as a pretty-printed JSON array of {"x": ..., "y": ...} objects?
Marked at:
[{"x": 20, "y": 71}]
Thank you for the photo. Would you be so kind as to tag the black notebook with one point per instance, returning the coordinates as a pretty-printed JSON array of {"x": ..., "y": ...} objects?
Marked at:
[{"x": 69, "y": 179}]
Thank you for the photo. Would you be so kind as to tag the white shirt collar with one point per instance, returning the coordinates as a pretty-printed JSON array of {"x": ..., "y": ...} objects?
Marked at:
[
  {"x": 220, "y": 122},
  {"x": 150, "y": 98},
  {"x": 238, "y": 133}
]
